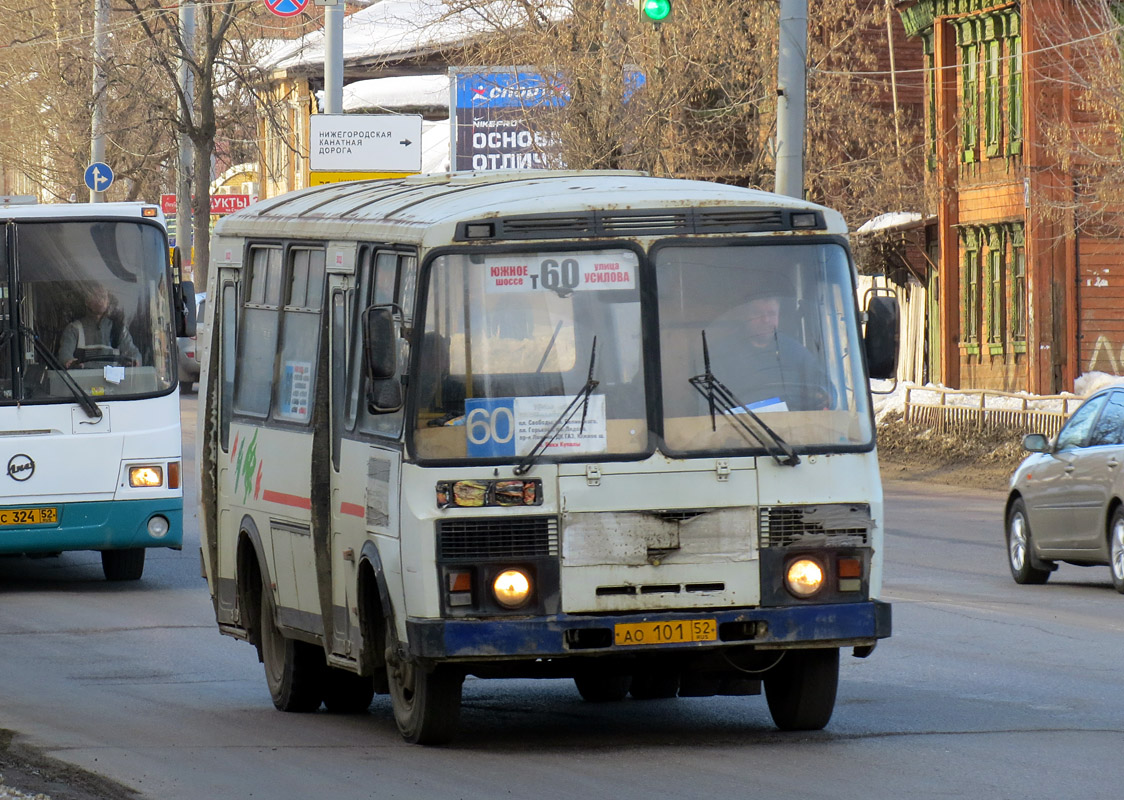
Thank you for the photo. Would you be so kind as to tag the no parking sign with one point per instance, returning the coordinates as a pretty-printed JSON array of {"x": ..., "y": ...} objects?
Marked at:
[{"x": 286, "y": 8}]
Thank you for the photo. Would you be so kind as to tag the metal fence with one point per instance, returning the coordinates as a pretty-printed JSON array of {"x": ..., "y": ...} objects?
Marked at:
[{"x": 952, "y": 410}]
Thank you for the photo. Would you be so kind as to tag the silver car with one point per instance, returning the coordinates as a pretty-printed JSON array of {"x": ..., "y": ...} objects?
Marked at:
[
  {"x": 189, "y": 348},
  {"x": 1065, "y": 498}
]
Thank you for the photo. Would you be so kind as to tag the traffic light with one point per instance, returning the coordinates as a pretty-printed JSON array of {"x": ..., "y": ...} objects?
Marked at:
[{"x": 655, "y": 10}]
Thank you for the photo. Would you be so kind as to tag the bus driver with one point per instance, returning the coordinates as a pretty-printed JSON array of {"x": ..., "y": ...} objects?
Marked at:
[
  {"x": 767, "y": 369},
  {"x": 98, "y": 336}
]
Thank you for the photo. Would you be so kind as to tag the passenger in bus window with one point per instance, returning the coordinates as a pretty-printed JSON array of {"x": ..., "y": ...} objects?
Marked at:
[
  {"x": 765, "y": 368},
  {"x": 100, "y": 336}
]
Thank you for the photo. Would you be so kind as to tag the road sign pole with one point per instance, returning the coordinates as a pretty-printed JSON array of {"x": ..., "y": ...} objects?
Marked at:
[
  {"x": 97, "y": 119},
  {"x": 333, "y": 58}
]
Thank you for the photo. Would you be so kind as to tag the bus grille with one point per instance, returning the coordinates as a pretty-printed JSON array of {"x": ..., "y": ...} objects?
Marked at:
[
  {"x": 497, "y": 537},
  {"x": 836, "y": 524}
]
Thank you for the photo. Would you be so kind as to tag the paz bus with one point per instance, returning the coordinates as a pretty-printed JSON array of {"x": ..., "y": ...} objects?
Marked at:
[
  {"x": 503, "y": 425},
  {"x": 89, "y": 401}
]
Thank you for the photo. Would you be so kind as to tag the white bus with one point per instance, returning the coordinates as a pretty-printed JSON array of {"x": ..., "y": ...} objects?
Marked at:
[
  {"x": 89, "y": 399},
  {"x": 508, "y": 426}
]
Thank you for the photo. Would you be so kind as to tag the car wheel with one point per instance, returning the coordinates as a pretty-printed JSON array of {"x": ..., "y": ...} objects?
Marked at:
[
  {"x": 1116, "y": 549},
  {"x": 1019, "y": 547}
]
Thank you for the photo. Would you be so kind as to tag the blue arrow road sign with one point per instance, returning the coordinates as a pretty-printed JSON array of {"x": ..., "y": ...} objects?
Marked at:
[{"x": 99, "y": 176}]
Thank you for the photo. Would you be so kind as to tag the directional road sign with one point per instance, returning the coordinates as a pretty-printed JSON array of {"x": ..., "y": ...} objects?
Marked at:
[
  {"x": 99, "y": 177},
  {"x": 286, "y": 8},
  {"x": 365, "y": 143}
]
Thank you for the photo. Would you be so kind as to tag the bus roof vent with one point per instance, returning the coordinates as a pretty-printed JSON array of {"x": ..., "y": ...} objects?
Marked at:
[{"x": 722, "y": 220}]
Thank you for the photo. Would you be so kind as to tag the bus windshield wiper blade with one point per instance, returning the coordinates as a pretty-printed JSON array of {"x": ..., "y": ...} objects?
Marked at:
[
  {"x": 84, "y": 400},
  {"x": 719, "y": 396},
  {"x": 579, "y": 399}
]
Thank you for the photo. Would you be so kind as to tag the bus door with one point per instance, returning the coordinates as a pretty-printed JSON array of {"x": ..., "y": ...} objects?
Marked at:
[{"x": 366, "y": 441}]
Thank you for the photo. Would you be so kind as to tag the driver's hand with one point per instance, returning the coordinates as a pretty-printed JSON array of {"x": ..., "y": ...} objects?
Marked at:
[{"x": 70, "y": 363}]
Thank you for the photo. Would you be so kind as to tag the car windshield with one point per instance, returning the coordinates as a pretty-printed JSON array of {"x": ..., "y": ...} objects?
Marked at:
[
  {"x": 775, "y": 325},
  {"x": 88, "y": 298},
  {"x": 511, "y": 339}
]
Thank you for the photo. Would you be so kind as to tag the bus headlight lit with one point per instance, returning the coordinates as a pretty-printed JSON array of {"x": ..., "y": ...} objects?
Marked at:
[
  {"x": 146, "y": 476},
  {"x": 511, "y": 588},
  {"x": 804, "y": 577}
]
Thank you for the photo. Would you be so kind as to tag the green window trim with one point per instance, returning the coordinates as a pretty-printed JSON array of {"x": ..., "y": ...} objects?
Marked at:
[
  {"x": 1018, "y": 309},
  {"x": 969, "y": 102},
  {"x": 994, "y": 297},
  {"x": 970, "y": 313},
  {"x": 1015, "y": 94},
  {"x": 993, "y": 128}
]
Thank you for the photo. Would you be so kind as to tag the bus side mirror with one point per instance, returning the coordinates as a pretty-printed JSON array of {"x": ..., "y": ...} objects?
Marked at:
[
  {"x": 380, "y": 350},
  {"x": 184, "y": 298},
  {"x": 881, "y": 337}
]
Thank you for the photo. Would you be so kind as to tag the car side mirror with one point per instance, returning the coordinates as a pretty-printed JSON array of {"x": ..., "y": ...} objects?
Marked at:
[
  {"x": 380, "y": 352},
  {"x": 1036, "y": 443},
  {"x": 881, "y": 338}
]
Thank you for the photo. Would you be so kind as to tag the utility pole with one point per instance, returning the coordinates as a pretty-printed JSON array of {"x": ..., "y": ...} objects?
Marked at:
[
  {"x": 792, "y": 61},
  {"x": 97, "y": 118},
  {"x": 184, "y": 237},
  {"x": 333, "y": 58}
]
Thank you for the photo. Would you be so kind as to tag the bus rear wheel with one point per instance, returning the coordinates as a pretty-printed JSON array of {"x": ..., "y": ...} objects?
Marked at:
[
  {"x": 801, "y": 689},
  {"x": 123, "y": 565},
  {"x": 426, "y": 703},
  {"x": 347, "y": 693},
  {"x": 293, "y": 670}
]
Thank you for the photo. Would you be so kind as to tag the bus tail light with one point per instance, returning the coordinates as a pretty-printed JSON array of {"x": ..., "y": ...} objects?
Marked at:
[
  {"x": 173, "y": 474},
  {"x": 146, "y": 476}
]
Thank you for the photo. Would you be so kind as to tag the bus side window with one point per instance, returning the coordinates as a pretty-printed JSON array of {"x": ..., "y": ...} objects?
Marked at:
[
  {"x": 257, "y": 344},
  {"x": 392, "y": 275},
  {"x": 300, "y": 335},
  {"x": 228, "y": 316}
]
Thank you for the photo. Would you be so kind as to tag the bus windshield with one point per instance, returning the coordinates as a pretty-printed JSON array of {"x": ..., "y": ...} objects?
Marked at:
[
  {"x": 511, "y": 339},
  {"x": 88, "y": 298},
  {"x": 780, "y": 330}
]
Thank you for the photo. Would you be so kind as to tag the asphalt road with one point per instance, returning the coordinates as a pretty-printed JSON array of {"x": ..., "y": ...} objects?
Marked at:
[{"x": 986, "y": 689}]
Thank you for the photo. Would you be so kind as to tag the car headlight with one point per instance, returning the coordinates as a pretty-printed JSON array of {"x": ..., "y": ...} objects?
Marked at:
[
  {"x": 804, "y": 577},
  {"x": 511, "y": 588}
]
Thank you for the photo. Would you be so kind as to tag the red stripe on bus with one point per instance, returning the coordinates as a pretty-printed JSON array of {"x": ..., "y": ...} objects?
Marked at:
[
  {"x": 353, "y": 510},
  {"x": 285, "y": 499}
]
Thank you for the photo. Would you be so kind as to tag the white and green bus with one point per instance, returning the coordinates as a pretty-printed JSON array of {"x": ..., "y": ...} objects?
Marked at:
[{"x": 587, "y": 425}]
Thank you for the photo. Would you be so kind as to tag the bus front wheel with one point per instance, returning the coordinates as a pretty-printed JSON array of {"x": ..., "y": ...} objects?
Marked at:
[
  {"x": 426, "y": 703},
  {"x": 293, "y": 669},
  {"x": 123, "y": 565},
  {"x": 801, "y": 689}
]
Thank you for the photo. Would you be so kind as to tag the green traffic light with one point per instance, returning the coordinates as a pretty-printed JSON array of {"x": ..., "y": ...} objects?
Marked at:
[{"x": 656, "y": 10}]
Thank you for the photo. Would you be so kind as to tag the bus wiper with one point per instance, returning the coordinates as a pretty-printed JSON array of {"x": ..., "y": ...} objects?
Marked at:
[
  {"x": 84, "y": 400},
  {"x": 580, "y": 399},
  {"x": 719, "y": 396}
]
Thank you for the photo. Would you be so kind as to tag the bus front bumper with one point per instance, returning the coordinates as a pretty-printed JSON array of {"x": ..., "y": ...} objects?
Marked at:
[
  {"x": 102, "y": 525},
  {"x": 839, "y": 625}
]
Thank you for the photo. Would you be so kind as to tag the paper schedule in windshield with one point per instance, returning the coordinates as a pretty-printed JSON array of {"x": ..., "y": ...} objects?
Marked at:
[
  {"x": 769, "y": 404},
  {"x": 511, "y": 426}
]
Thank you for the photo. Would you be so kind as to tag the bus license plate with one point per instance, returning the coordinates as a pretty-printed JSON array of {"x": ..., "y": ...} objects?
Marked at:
[
  {"x": 29, "y": 516},
  {"x": 686, "y": 630}
]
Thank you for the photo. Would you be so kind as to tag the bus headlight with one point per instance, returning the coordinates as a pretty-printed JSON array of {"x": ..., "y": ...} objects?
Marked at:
[
  {"x": 804, "y": 577},
  {"x": 146, "y": 476},
  {"x": 511, "y": 588}
]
